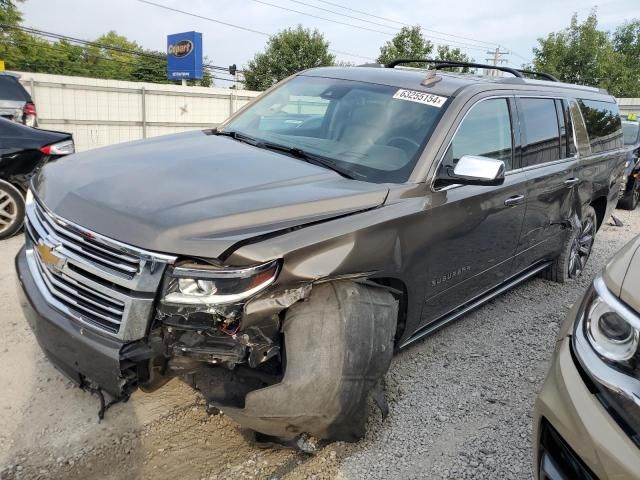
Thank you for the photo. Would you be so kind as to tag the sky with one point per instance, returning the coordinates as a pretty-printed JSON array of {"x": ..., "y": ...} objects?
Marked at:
[{"x": 513, "y": 25}]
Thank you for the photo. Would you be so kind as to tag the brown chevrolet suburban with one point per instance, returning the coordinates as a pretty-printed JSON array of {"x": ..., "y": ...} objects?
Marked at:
[{"x": 277, "y": 261}]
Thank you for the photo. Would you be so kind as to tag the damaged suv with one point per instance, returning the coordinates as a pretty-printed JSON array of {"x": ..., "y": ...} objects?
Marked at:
[{"x": 276, "y": 262}]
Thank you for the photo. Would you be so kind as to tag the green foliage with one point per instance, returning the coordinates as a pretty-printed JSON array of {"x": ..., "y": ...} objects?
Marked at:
[
  {"x": 113, "y": 57},
  {"x": 408, "y": 43},
  {"x": 286, "y": 53},
  {"x": 585, "y": 55},
  {"x": 453, "y": 55}
]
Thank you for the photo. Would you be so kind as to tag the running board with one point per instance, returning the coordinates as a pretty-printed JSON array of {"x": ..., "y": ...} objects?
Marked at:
[{"x": 450, "y": 317}]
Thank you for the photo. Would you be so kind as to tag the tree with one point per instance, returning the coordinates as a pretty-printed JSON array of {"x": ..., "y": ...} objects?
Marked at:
[
  {"x": 408, "y": 43},
  {"x": 626, "y": 42},
  {"x": 286, "y": 53},
  {"x": 110, "y": 63},
  {"x": 583, "y": 54},
  {"x": 453, "y": 55}
]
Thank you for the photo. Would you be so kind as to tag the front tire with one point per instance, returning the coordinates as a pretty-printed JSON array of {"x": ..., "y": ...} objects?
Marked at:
[
  {"x": 11, "y": 210},
  {"x": 576, "y": 250}
]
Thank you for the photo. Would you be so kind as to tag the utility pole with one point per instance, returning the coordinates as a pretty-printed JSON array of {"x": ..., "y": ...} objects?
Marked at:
[{"x": 496, "y": 59}]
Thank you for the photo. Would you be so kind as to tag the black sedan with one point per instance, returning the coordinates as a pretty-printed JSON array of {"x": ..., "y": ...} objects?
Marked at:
[{"x": 23, "y": 151}]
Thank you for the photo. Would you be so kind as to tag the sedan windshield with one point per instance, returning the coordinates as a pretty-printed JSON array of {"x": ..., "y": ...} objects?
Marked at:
[
  {"x": 630, "y": 132},
  {"x": 370, "y": 132}
]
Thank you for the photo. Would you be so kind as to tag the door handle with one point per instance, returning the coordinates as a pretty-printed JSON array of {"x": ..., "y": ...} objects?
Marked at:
[
  {"x": 513, "y": 201},
  {"x": 571, "y": 182}
]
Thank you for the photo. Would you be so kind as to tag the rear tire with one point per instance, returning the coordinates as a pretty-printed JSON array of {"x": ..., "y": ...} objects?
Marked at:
[
  {"x": 11, "y": 210},
  {"x": 576, "y": 250},
  {"x": 631, "y": 200}
]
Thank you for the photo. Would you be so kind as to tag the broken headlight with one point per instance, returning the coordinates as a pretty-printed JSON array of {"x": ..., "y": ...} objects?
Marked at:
[
  {"x": 605, "y": 343},
  {"x": 201, "y": 284}
]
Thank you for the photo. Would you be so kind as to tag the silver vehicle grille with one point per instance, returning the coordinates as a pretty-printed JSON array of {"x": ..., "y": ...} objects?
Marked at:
[{"x": 104, "y": 284}]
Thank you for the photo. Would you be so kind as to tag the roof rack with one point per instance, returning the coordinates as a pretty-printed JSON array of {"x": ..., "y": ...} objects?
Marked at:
[{"x": 440, "y": 64}]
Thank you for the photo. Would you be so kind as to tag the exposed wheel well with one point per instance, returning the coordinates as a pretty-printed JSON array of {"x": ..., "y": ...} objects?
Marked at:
[
  {"x": 600, "y": 206},
  {"x": 400, "y": 293}
]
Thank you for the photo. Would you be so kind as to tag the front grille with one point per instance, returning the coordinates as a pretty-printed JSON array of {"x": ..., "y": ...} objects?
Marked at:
[{"x": 105, "y": 284}]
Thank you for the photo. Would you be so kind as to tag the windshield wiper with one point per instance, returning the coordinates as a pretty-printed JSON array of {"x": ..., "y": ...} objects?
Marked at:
[
  {"x": 294, "y": 151},
  {"x": 308, "y": 157},
  {"x": 241, "y": 137}
]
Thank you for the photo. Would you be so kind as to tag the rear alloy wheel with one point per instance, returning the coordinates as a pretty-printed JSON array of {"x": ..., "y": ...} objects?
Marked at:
[
  {"x": 11, "y": 210},
  {"x": 571, "y": 261},
  {"x": 581, "y": 248}
]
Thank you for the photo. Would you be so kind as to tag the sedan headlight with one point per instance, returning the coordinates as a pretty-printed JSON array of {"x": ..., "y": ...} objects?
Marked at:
[{"x": 201, "y": 284}]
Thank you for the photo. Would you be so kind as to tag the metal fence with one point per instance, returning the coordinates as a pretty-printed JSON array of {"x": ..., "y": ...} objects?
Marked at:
[{"x": 102, "y": 112}]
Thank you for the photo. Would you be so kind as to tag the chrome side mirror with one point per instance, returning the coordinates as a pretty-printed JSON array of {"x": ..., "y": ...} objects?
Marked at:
[{"x": 476, "y": 170}]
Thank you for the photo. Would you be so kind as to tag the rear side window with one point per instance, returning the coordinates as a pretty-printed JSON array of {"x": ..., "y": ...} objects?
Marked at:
[
  {"x": 603, "y": 124},
  {"x": 541, "y": 131},
  {"x": 486, "y": 132},
  {"x": 10, "y": 89}
]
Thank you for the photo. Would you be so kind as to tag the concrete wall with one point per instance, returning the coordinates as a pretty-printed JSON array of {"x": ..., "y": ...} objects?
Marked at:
[
  {"x": 629, "y": 105},
  {"x": 103, "y": 112}
]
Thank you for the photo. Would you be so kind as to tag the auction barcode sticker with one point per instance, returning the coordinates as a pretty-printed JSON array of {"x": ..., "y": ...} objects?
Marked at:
[{"x": 420, "y": 97}]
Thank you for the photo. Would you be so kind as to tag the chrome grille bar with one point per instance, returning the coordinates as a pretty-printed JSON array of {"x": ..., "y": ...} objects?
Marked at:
[{"x": 104, "y": 284}]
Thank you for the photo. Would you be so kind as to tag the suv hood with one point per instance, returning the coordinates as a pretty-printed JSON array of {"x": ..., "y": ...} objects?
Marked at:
[{"x": 195, "y": 194}]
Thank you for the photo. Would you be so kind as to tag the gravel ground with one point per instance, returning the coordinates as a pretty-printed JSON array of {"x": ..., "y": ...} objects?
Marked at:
[{"x": 460, "y": 403}]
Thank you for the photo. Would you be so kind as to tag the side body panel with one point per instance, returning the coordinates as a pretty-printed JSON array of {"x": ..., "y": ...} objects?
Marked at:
[{"x": 551, "y": 201}]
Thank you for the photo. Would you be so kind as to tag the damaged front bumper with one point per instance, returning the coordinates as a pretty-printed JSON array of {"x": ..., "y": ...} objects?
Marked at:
[
  {"x": 332, "y": 361},
  {"x": 84, "y": 356}
]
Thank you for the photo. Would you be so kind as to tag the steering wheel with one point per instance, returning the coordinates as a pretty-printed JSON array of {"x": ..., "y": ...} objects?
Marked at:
[{"x": 408, "y": 145}]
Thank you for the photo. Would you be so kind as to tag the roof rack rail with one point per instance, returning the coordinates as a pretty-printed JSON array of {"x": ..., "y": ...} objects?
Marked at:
[
  {"x": 440, "y": 64},
  {"x": 544, "y": 75}
]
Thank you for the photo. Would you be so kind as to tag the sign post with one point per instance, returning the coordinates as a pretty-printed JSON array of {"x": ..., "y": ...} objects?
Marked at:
[{"x": 184, "y": 56}]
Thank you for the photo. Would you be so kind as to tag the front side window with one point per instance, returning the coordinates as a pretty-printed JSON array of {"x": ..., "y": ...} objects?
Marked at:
[
  {"x": 541, "y": 131},
  {"x": 375, "y": 132},
  {"x": 485, "y": 132},
  {"x": 603, "y": 124}
]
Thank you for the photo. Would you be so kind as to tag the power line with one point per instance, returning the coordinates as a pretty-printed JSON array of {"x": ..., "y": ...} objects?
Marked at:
[
  {"x": 406, "y": 24},
  {"x": 460, "y": 44},
  {"x": 323, "y": 18},
  {"x": 246, "y": 29},
  {"x": 344, "y": 15},
  {"x": 54, "y": 47},
  {"x": 449, "y": 41},
  {"x": 139, "y": 53}
]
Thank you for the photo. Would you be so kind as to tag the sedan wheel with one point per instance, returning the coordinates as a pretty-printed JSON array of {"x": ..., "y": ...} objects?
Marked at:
[{"x": 11, "y": 210}]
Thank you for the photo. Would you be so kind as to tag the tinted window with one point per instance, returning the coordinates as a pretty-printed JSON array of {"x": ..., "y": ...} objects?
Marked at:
[
  {"x": 367, "y": 129},
  {"x": 603, "y": 124},
  {"x": 541, "y": 131},
  {"x": 630, "y": 133},
  {"x": 10, "y": 89},
  {"x": 485, "y": 131}
]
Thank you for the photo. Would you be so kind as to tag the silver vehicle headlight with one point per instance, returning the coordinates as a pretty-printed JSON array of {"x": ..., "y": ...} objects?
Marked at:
[
  {"x": 610, "y": 334},
  {"x": 201, "y": 284},
  {"x": 605, "y": 343}
]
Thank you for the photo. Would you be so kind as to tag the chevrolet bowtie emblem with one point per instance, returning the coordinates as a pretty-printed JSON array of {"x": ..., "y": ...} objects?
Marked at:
[{"x": 49, "y": 256}]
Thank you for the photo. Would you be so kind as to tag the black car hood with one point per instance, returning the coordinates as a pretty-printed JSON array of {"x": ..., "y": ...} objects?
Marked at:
[{"x": 195, "y": 194}]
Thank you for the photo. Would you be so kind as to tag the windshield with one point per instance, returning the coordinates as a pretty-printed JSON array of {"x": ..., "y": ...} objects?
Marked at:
[
  {"x": 373, "y": 132},
  {"x": 630, "y": 132}
]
